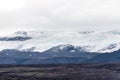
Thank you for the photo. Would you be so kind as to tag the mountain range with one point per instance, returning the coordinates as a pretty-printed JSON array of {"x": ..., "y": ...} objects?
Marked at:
[
  {"x": 53, "y": 47},
  {"x": 40, "y": 41}
]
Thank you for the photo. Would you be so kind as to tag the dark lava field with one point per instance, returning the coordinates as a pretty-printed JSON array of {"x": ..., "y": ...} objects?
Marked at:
[{"x": 61, "y": 72}]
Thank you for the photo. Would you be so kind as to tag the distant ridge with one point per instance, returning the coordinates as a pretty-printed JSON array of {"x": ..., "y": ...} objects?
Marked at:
[{"x": 9, "y": 56}]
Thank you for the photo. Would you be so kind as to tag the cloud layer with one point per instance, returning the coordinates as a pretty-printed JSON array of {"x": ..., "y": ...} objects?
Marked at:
[{"x": 62, "y": 15}]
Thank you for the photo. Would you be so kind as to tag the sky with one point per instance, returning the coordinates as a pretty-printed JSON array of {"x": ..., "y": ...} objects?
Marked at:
[{"x": 68, "y": 15}]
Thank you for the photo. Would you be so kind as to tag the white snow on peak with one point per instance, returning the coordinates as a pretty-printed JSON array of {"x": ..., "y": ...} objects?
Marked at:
[{"x": 96, "y": 41}]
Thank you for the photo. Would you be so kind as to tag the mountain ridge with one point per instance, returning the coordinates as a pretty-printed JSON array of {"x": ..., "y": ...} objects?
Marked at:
[{"x": 40, "y": 41}]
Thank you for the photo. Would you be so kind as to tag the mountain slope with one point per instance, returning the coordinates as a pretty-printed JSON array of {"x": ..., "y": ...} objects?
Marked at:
[
  {"x": 114, "y": 57},
  {"x": 18, "y": 57}
]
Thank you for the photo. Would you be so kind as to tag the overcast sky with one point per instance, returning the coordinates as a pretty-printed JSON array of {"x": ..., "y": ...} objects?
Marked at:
[{"x": 59, "y": 15}]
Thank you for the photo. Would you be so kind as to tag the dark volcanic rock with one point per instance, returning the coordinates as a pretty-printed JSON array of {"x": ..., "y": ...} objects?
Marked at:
[
  {"x": 17, "y": 38},
  {"x": 61, "y": 72}
]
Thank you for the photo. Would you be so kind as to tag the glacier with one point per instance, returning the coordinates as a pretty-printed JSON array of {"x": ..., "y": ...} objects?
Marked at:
[{"x": 104, "y": 41}]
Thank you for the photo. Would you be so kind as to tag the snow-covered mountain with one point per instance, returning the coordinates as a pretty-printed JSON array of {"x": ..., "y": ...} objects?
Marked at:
[
  {"x": 40, "y": 41},
  {"x": 67, "y": 48}
]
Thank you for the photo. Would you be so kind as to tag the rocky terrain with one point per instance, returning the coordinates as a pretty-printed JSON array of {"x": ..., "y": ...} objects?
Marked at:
[{"x": 61, "y": 72}]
